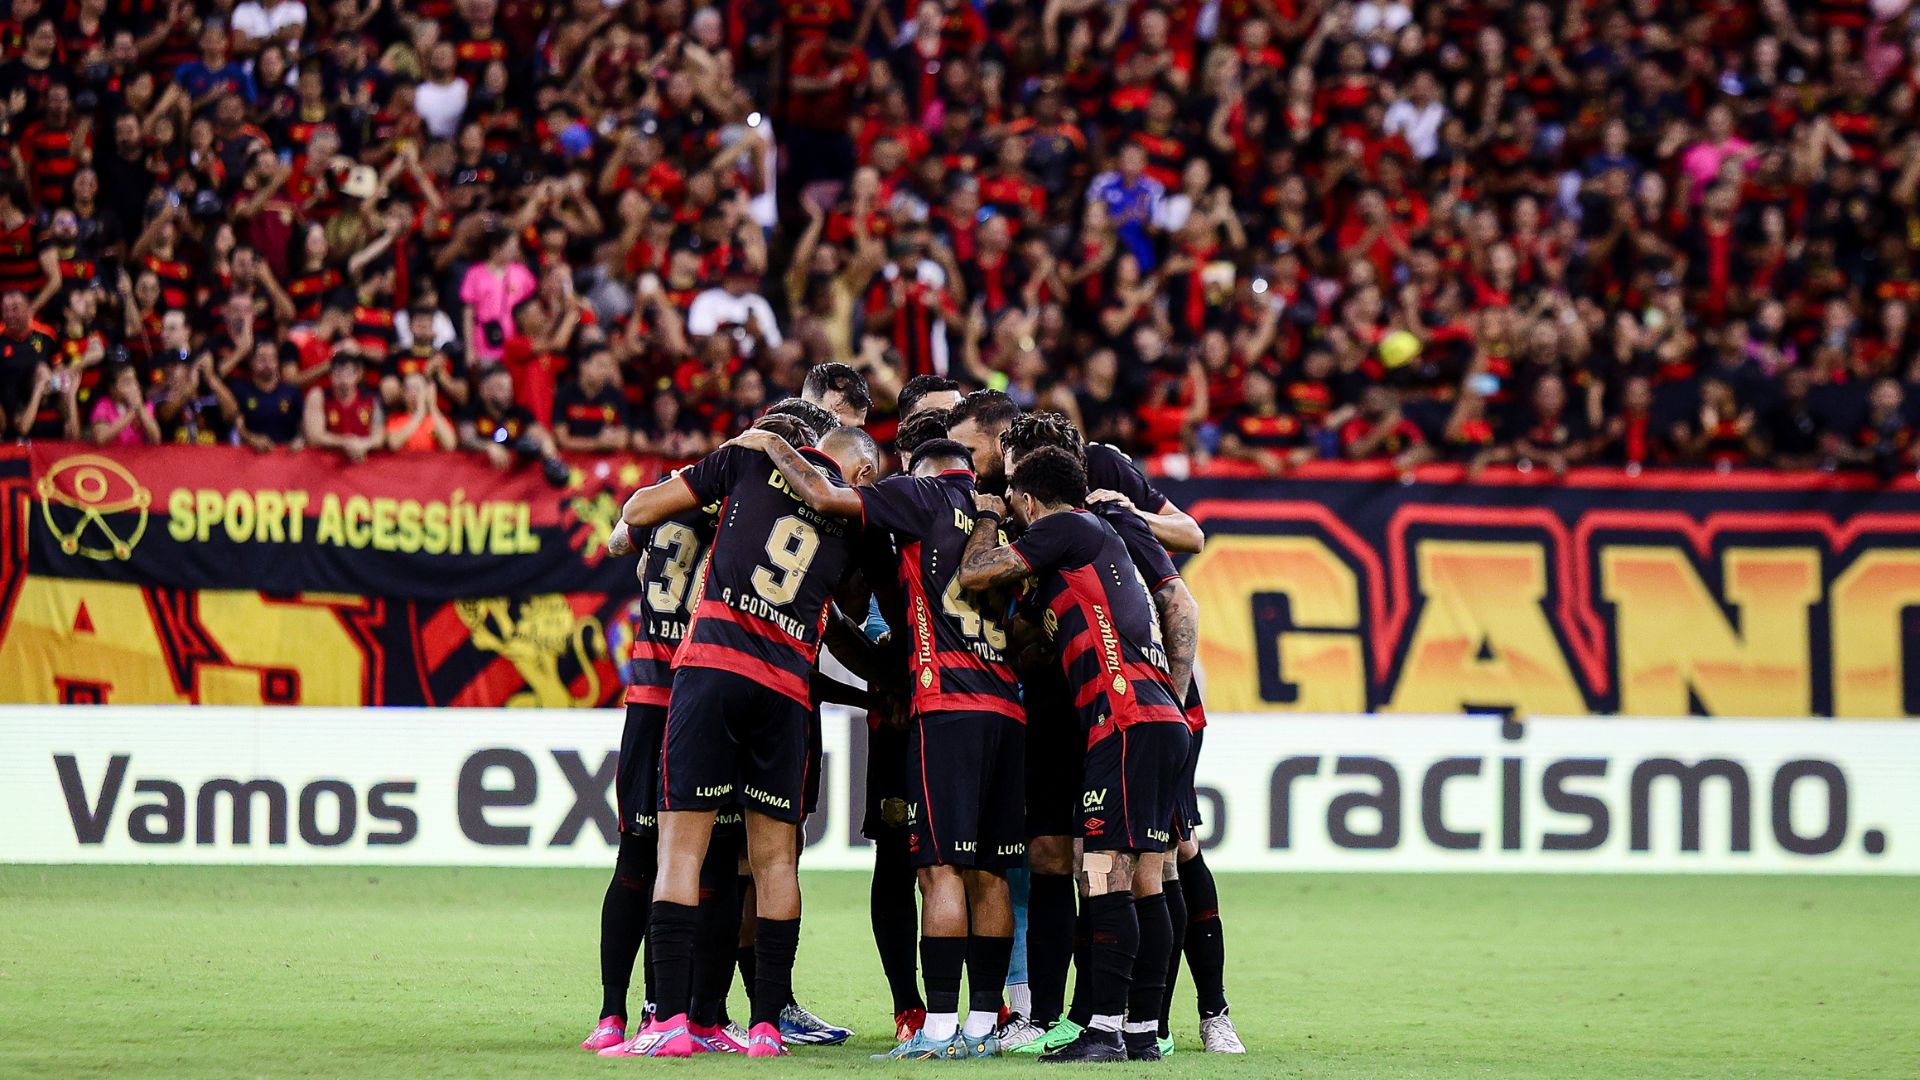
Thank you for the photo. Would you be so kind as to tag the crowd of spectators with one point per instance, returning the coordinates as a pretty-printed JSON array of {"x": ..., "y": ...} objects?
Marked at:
[{"x": 1637, "y": 232}]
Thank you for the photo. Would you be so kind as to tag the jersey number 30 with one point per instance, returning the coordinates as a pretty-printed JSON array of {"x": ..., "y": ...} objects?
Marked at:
[
  {"x": 674, "y": 545},
  {"x": 790, "y": 550}
]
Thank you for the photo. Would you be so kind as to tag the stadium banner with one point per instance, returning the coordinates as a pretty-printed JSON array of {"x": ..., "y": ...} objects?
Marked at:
[
  {"x": 1668, "y": 594},
  {"x": 219, "y": 576},
  {"x": 1337, "y": 793}
]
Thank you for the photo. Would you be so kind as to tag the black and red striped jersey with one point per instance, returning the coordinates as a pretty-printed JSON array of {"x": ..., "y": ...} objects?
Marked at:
[
  {"x": 1155, "y": 566},
  {"x": 669, "y": 563},
  {"x": 1102, "y": 622},
  {"x": 957, "y": 658},
  {"x": 771, "y": 571}
]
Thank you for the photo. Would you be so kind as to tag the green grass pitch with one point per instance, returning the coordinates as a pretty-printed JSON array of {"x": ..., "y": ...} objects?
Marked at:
[{"x": 232, "y": 972}]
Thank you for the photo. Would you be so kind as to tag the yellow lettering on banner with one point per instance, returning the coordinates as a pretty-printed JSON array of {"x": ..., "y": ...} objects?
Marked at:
[
  {"x": 296, "y": 515},
  {"x": 1482, "y": 639},
  {"x": 113, "y": 646},
  {"x": 257, "y": 634},
  {"x": 332, "y": 529},
  {"x": 1674, "y": 637},
  {"x": 357, "y": 511},
  {"x": 407, "y": 524},
  {"x": 524, "y": 540},
  {"x": 239, "y": 516},
  {"x": 500, "y": 538},
  {"x": 180, "y": 515},
  {"x": 272, "y": 508},
  {"x": 384, "y": 510},
  {"x": 207, "y": 504},
  {"x": 1864, "y": 610},
  {"x": 471, "y": 523},
  {"x": 1323, "y": 658},
  {"x": 435, "y": 535}
]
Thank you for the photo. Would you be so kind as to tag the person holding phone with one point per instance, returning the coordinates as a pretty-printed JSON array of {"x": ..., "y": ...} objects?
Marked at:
[{"x": 491, "y": 290}]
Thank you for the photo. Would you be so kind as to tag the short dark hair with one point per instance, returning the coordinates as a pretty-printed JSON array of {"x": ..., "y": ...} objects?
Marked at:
[
  {"x": 1040, "y": 429},
  {"x": 857, "y": 436},
  {"x": 828, "y": 378},
  {"x": 990, "y": 409},
  {"x": 792, "y": 430},
  {"x": 919, "y": 387},
  {"x": 1051, "y": 475},
  {"x": 925, "y": 428},
  {"x": 943, "y": 450},
  {"x": 815, "y": 417}
]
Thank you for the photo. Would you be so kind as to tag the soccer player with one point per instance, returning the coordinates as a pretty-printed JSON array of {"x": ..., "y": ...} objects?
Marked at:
[
  {"x": 892, "y": 905},
  {"x": 668, "y": 559},
  {"x": 1191, "y": 895},
  {"x": 1101, "y": 620},
  {"x": 798, "y": 1024},
  {"x": 1157, "y": 901},
  {"x": 963, "y": 832},
  {"x": 738, "y": 714},
  {"x": 840, "y": 390},
  {"x": 923, "y": 393}
]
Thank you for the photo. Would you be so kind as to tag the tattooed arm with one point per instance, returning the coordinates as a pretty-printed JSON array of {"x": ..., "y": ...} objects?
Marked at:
[
  {"x": 988, "y": 562},
  {"x": 1179, "y": 631}
]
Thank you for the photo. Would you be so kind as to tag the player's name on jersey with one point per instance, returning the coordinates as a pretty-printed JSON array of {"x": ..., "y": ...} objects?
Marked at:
[
  {"x": 666, "y": 629},
  {"x": 451, "y": 526},
  {"x": 759, "y": 608}
]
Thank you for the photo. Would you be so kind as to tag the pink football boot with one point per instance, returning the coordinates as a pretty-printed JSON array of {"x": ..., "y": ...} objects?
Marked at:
[
  {"x": 611, "y": 1032},
  {"x": 764, "y": 1041},
  {"x": 662, "y": 1038}
]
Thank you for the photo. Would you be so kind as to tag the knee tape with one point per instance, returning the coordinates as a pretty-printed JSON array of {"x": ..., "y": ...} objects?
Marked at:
[{"x": 1095, "y": 868}]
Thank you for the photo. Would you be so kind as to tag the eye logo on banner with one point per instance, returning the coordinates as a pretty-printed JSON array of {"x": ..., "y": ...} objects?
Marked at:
[{"x": 76, "y": 497}]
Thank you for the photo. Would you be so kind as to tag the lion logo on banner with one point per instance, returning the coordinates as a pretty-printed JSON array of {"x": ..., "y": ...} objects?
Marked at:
[
  {"x": 534, "y": 640},
  {"x": 93, "y": 487}
]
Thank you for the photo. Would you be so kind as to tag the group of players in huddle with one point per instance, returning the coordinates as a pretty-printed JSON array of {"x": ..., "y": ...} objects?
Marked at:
[{"x": 1028, "y": 649}]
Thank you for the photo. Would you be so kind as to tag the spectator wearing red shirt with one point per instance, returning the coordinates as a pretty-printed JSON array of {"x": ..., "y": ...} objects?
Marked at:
[
  {"x": 1379, "y": 432},
  {"x": 824, "y": 79}
]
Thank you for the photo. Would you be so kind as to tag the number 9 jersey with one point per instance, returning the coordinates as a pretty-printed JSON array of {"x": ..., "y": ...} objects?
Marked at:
[{"x": 771, "y": 571}]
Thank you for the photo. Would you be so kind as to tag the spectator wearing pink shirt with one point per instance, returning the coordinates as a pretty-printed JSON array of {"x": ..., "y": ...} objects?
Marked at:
[
  {"x": 491, "y": 290},
  {"x": 120, "y": 417},
  {"x": 1703, "y": 159}
]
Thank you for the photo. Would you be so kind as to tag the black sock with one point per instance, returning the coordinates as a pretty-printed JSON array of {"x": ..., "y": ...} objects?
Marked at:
[
  {"x": 672, "y": 935},
  {"x": 717, "y": 935},
  {"x": 1177, "y": 918},
  {"x": 1206, "y": 949},
  {"x": 744, "y": 956},
  {"x": 1113, "y": 945},
  {"x": 775, "y": 941},
  {"x": 896, "y": 919},
  {"x": 941, "y": 959},
  {"x": 623, "y": 920},
  {"x": 1049, "y": 944},
  {"x": 1082, "y": 1008},
  {"x": 987, "y": 962},
  {"x": 1150, "y": 964}
]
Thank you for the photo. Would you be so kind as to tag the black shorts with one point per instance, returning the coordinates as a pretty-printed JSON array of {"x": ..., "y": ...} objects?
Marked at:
[
  {"x": 731, "y": 740},
  {"x": 639, "y": 768},
  {"x": 1132, "y": 778},
  {"x": 816, "y": 754},
  {"x": 886, "y": 781},
  {"x": 1056, "y": 750},
  {"x": 964, "y": 783},
  {"x": 1186, "y": 806}
]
